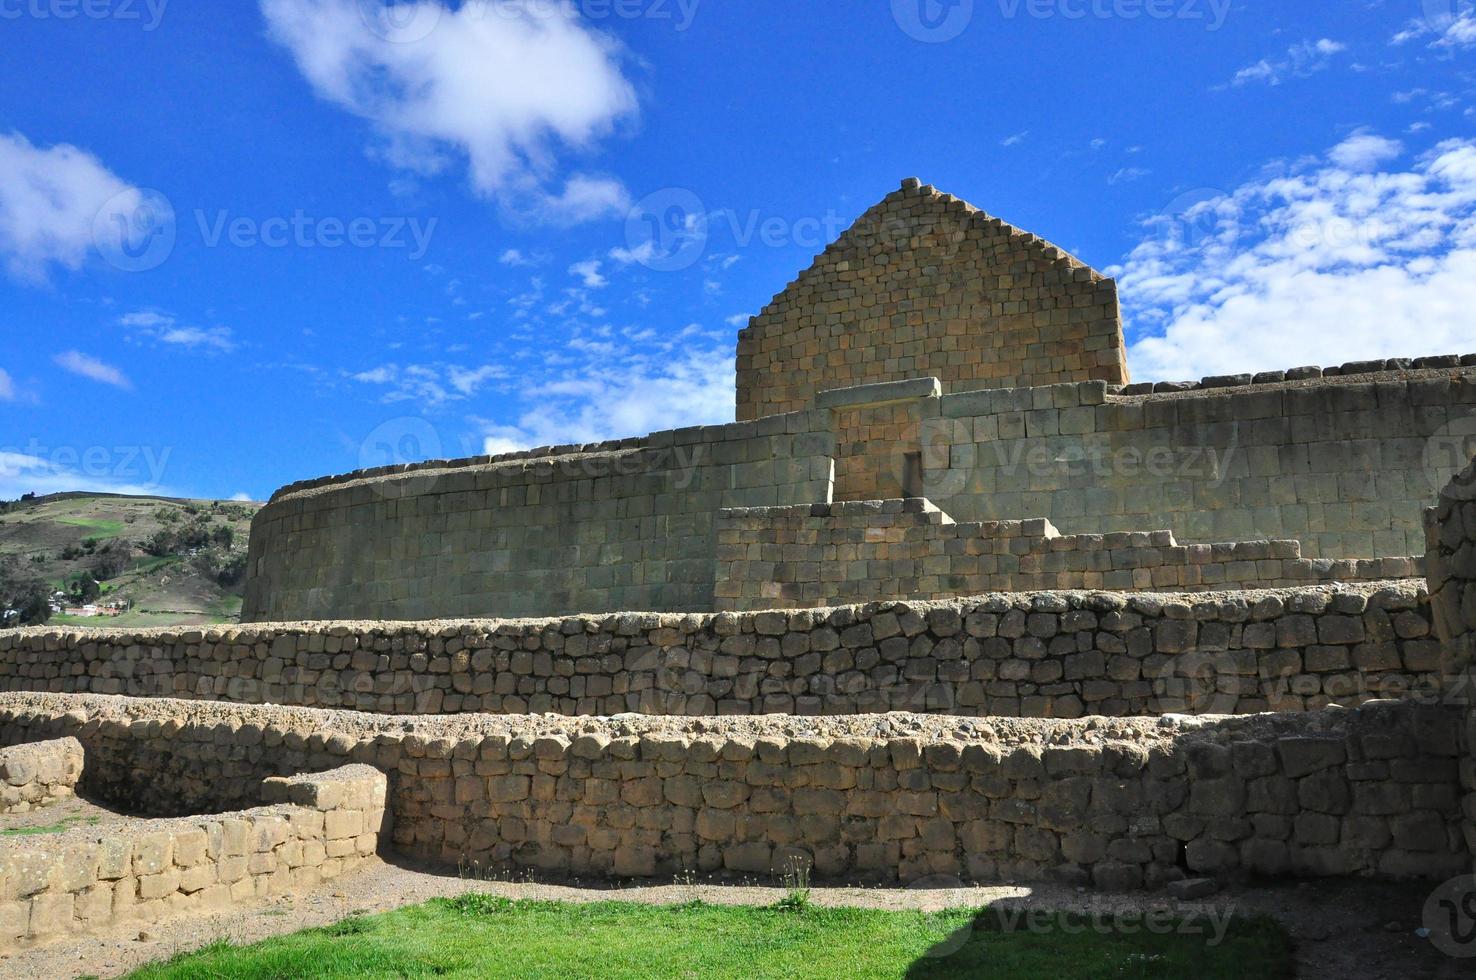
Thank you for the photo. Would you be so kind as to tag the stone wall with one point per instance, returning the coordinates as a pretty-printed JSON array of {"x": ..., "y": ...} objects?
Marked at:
[
  {"x": 318, "y": 827},
  {"x": 1036, "y": 655},
  {"x": 38, "y": 774},
  {"x": 1118, "y": 803},
  {"x": 845, "y": 553},
  {"x": 925, "y": 284},
  {"x": 1343, "y": 464},
  {"x": 1451, "y": 528},
  {"x": 576, "y": 532}
]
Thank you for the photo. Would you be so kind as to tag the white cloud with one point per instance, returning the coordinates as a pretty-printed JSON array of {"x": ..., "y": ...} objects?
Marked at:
[
  {"x": 468, "y": 381},
  {"x": 1127, "y": 174},
  {"x": 165, "y": 329},
  {"x": 584, "y": 198},
  {"x": 1318, "y": 263},
  {"x": 644, "y": 252},
  {"x": 7, "y": 387},
  {"x": 92, "y": 369},
  {"x": 429, "y": 384},
  {"x": 50, "y": 200},
  {"x": 612, "y": 401},
  {"x": 1300, "y": 60},
  {"x": 739, "y": 319},
  {"x": 589, "y": 273},
  {"x": 1364, "y": 151},
  {"x": 1448, "y": 28},
  {"x": 503, "y": 86},
  {"x": 1014, "y": 139}
]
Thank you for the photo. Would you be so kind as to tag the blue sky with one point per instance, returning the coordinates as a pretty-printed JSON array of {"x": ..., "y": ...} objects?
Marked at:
[{"x": 248, "y": 243}]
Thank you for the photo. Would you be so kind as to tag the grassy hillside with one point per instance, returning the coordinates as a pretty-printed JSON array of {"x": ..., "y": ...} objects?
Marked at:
[{"x": 178, "y": 561}]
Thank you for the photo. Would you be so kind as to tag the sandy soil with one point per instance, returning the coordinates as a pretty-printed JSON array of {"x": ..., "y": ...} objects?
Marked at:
[
  {"x": 1344, "y": 929},
  {"x": 69, "y": 814}
]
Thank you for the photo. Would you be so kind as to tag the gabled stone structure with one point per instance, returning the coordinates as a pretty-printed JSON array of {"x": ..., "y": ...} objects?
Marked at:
[{"x": 927, "y": 285}]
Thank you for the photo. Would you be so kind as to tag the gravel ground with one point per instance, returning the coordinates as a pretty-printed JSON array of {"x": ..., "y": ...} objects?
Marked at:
[
  {"x": 69, "y": 814},
  {"x": 1348, "y": 930}
]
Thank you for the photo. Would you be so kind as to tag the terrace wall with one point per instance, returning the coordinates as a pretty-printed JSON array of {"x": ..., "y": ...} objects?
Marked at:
[
  {"x": 1114, "y": 803},
  {"x": 1033, "y": 655},
  {"x": 837, "y": 554},
  {"x": 316, "y": 828}
]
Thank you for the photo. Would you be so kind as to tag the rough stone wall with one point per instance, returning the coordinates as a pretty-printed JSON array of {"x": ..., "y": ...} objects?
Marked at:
[
  {"x": 1035, "y": 655},
  {"x": 845, "y": 553},
  {"x": 927, "y": 285},
  {"x": 1451, "y": 528},
  {"x": 579, "y": 532},
  {"x": 80, "y": 881},
  {"x": 1116, "y": 803},
  {"x": 1346, "y": 465},
  {"x": 38, "y": 774}
]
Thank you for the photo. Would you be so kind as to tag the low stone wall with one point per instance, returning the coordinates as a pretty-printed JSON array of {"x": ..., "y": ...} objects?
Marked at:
[
  {"x": 38, "y": 774},
  {"x": 1450, "y": 530},
  {"x": 821, "y": 555},
  {"x": 319, "y": 827},
  {"x": 1118, "y": 803},
  {"x": 1034, "y": 655}
]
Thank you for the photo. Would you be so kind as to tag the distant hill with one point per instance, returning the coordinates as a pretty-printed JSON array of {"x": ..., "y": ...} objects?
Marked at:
[{"x": 176, "y": 561}]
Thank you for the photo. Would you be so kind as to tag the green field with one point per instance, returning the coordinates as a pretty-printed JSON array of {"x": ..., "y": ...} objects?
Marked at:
[
  {"x": 484, "y": 936},
  {"x": 101, "y": 529}
]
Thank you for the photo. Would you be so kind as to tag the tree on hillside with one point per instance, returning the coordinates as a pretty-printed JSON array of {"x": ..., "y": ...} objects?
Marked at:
[
  {"x": 22, "y": 589},
  {"x": 111, "y": 560},
  {"x": 86, "y": 589}
]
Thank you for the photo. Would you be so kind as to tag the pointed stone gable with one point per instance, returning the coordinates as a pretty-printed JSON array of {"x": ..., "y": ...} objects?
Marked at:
[{"x": 924, "y": 284}]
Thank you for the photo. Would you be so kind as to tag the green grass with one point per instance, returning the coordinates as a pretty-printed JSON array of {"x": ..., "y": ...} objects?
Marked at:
[
  {"x": 64, "y": 824},
  {"x": 102, "y": 529},
  {"x": 482, "y": 936}
]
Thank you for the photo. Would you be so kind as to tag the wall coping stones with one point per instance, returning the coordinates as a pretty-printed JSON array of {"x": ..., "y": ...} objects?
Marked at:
[
  {"x": 1385, "y": 594},
  {"x": 1417, "y": 367}
]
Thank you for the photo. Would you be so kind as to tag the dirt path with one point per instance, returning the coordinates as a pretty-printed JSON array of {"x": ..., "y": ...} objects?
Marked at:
[{"x": 1344, "y": 930}]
